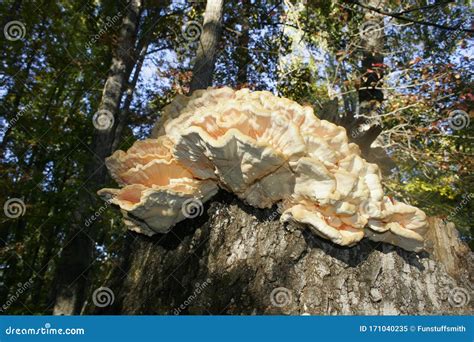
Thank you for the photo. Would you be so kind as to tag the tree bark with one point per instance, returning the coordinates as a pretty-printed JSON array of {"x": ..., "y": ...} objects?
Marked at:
[
  {"x": 207, "y": 51},
  {"x": 370, "y": 98},
  {"x": 124, "y": 113},
  {"x": 122, "y": 64},
  {"x": 76, "y": 256},
  {"x": 236, "y": 259}
]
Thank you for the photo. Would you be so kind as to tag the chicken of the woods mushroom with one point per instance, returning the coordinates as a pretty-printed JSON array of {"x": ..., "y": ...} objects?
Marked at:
[{"x": 266, "y": 150}]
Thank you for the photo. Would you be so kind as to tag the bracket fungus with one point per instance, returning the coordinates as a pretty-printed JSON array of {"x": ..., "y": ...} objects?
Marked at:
[{"x": 266, "y": 150}]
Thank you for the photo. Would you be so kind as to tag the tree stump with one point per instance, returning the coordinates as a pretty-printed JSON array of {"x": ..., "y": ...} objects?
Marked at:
[{"x": 235, "y": 259}]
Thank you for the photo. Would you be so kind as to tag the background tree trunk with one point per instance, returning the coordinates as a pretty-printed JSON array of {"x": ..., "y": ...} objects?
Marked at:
[
  {"x": 366, "y": 128},
  {"x": 236, "y": 259},
  {"x": 76, "y": 256},
  {"x": 241, "y": 54},
  {"x": 207, "y": 51}
]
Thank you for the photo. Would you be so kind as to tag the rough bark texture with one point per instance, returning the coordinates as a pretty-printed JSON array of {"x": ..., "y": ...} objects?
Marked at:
[
  {"x": 207, "y": 51},
  {"x": 235, "y": 259}
]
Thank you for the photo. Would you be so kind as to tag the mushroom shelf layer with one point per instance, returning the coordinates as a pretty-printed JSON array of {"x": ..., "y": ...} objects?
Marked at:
[{"x": 266, "y": 150}]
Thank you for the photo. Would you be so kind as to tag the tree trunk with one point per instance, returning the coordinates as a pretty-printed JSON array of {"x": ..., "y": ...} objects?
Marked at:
[
  {"x": 241, "y": 55},
  {"x": 76, "y": 256},
  {"x": 124, "y": 113},
  {"x": 370, "y": 97},
  {"x": 207, "y": 51},
  {"x": 236, "y": 259},
  {"x": 122, "y": 64}
]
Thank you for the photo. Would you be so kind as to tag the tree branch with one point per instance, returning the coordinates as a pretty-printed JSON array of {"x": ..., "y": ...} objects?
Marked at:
[
  {"x": 420, "y": 22},
  {"x": 426, "y": 7}
]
